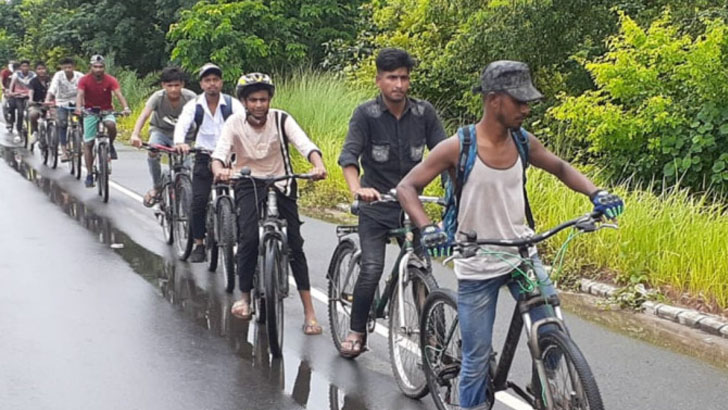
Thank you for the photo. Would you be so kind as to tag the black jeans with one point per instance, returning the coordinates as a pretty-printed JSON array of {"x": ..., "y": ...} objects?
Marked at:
[
  {"x": 19, "y": 105},
  {"x": 248, "y": 217},
  {"x": 374, "y": 225},
  {"x": 201, "y": 187}
]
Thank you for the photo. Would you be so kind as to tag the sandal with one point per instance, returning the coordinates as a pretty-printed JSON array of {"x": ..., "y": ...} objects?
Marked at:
[
  {"x": 312, "y": 328},
  {"x": 241, "y": 310},
  {"x": 149, "y": 199},
  {"x": 355, "y": 347}
]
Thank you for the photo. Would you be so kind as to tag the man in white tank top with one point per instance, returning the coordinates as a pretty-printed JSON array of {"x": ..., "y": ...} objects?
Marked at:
[{"x": 493, "y": 206}]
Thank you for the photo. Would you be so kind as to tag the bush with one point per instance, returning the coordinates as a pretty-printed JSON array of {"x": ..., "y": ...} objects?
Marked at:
[{"x": 660, "y": 108}]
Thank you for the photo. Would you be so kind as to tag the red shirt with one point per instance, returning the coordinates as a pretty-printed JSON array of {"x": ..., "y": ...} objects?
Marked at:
[
  {"x": 5, "y": 75},
  {"x": 98, "y": 94}
]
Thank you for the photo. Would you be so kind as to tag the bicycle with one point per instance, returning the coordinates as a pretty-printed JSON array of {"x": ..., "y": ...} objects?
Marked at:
[
  {"x": 221, "y": 225},
  {"x": 47, "y": 135},
  {"x": 102, "y": 161},
  {"x": 74, "y": 141},
  {"x": 182, "y": 209},
  {"x": 555, "y": 356},
  {"x": 270, "y": 280},
  {"x": 409, "y": 283}
]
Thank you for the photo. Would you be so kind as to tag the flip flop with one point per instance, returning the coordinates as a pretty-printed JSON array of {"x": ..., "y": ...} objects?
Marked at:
[
  {"x": 356, "y": 347},
  {"x": 149, "y": 199},
  {"x": 312, "y": 328},
  {"x": 241, "y": 310}
]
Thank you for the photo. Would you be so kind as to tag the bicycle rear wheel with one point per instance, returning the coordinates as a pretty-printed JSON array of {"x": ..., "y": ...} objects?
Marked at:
[
  {"x": 273, "y": 299},
  {"x": 51, "y": 140},
  {"x": 342, "y": 274},
  {"x": 77, "y": 152},
  {"x": 441, "y": 346},
  {"x": 404, "y": 337},
  {"x": 183, "y": 212},
  {"x": 226, "y": 224},
  {"x": 211, "y": 237},
  {"x": 103, "y": 171},
  {"x": 568, "y": 377}
]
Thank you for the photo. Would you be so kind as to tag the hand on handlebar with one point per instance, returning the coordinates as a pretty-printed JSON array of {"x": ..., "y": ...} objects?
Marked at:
[
  {"x": 435, "y": 240},
  {"x": 318, "y": 173},
  {"x": 126, "y": 111},
  {"x": 182, "y": 148},
  {"x": 607, "y": 204},
  {"x": 368, "y": 194},
  {"x": 136, "y": 141},
  {"x": 223, "y": 175}
]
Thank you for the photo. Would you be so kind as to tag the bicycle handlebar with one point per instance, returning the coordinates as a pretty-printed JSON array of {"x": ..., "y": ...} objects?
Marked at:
[
  {"x": 171, "y": 150},
  {"x": 392, "y": 197},
  {"x": 245, "y": 174}
]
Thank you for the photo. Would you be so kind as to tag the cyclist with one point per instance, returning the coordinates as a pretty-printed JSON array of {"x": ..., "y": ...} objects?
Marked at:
[
  {"x": 493, "y": 205},
  {"x": 19, "y": 90},
  {"x": 214, "y": 108},
  {"x": 94, "y": 91},
  {"x": 259, "y": 139},
  {"x": 63, "y": 90},
  {"x": 5, "y": 77},
  {"x": 164, "y": 107},
  {"x": 38, "y": 91},
  {"x": 389, "y": 135}
]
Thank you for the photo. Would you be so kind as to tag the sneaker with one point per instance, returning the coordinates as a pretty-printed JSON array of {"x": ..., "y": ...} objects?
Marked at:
[
  {"x": 198, "y": 254},
  {"x": 17, "y": 139},
  {"x": 89, "y": 181},
  {"x": 65, "y": 157},
  {"x": 112, "y": 152}
]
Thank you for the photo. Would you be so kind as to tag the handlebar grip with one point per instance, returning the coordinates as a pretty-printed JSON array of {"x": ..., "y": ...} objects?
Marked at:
[{"x": 355, "y": 207}]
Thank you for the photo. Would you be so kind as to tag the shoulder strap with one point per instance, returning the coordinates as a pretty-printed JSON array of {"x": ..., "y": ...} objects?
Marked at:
[
  {"x": 520, "y": 137},
  {"x": 285, "y": 153},
  {"x": 468, "y": 153},
  {"x": 227, "y": 108},
  {"x": 199, "y": 116}
]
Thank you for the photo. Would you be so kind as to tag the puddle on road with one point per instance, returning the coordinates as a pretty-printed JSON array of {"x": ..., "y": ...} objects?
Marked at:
[{"x": 177, "y": 285}]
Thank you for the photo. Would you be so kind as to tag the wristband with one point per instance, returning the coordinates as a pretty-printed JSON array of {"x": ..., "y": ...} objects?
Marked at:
[{"x": 595, "y": 193}]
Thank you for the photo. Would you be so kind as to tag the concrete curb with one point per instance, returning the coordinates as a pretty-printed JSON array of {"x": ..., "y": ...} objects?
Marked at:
[{"x": 686, "y": 317}]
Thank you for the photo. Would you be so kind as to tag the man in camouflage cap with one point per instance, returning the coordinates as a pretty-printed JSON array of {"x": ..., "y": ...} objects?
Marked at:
[{"x": 493, "y": 204}]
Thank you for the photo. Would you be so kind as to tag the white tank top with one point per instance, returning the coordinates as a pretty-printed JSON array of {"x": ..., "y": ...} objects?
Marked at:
[{"x": 492, "y": 205}]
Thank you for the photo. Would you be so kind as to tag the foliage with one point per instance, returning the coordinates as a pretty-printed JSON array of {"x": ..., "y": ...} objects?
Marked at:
[
  {"x": 660, "y": 108},
  {"x": 259, "y": 35}
]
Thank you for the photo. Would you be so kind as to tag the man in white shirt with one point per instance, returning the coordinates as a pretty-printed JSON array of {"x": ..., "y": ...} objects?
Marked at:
[
  {"x": 63, "y": 90},
  {"x": 209, "y": 111},
  {"x": 259, "y": 138}
]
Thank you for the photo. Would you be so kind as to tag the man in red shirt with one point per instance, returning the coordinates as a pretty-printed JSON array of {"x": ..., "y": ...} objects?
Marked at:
[
  {"x": 94, "y": 93},
  {"x": 5, "y": 75}
]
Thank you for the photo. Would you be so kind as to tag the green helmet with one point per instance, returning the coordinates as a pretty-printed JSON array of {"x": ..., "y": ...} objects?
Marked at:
[{"x": 254, "y": 81}]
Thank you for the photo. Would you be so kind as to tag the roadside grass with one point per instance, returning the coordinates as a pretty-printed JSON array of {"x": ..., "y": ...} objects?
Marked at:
[{"x": 672, "y": 241}]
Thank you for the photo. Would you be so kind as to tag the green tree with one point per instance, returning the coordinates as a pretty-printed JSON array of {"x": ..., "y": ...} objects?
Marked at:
[
  {"x": 660, "y": 107},
  {"x": 259, "y": 35}
]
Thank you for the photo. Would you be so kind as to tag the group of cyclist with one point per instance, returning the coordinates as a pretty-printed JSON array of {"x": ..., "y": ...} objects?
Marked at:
[
  {"x": 383, "y": 150},
  {"x": 69, "y": 91}
]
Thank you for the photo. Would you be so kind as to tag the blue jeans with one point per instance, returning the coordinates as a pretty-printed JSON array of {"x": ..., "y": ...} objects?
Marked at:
[
  {"x": 477, "y": 301},
  {"x": 155, "y": 168}
]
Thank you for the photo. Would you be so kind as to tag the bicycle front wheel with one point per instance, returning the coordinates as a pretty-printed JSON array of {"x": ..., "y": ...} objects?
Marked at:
[
  {"x": 440, "y": 345},
  {"x": 568, "y": 378},
  {"x": 77, "y": 151},
  {"x": 182, "y": 215},
  {"x": 103, "y": 176},
  {"x": 343, "y": 274},
  {"x": 42, "y": 143},
  {"x": 273, "y": 299},
  {"x": 211, "y": 237},
  {"x": 404, "y": 331},
  {"x": 226, "y": 224},
  {"x": 51, "y": 140}
]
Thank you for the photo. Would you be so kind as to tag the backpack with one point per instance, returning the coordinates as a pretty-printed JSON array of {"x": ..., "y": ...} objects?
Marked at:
[
  {"x": 466, "y": 160},
  {"x": 226, "y": 110}
]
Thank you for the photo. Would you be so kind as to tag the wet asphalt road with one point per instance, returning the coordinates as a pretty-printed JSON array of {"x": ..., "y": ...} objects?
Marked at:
[{"x": 96, "y": 313}]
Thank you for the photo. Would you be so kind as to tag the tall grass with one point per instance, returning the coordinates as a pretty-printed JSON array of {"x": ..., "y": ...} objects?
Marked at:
[
  {"x": 672, "y": 240},
  {"x": 322, "y": 104}
]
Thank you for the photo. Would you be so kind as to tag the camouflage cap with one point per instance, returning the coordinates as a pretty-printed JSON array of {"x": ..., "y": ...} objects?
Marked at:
[{"x": 512, "y": 77}]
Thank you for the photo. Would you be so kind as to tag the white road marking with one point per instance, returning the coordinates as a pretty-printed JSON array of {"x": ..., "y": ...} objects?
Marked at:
[{"x": 502, "y": 396}]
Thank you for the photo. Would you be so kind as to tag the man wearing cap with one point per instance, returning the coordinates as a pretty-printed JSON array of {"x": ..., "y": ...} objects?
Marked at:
[
  {"x": 209, "y": 112},
  {"x": 493, "y": 204},
  {"x": 95, "y": 91}
]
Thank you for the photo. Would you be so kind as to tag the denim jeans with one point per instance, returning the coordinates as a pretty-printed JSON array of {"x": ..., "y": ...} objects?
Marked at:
[
  {"x": 477, "y": 300},
  {"x": 155, "y": 168}
]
